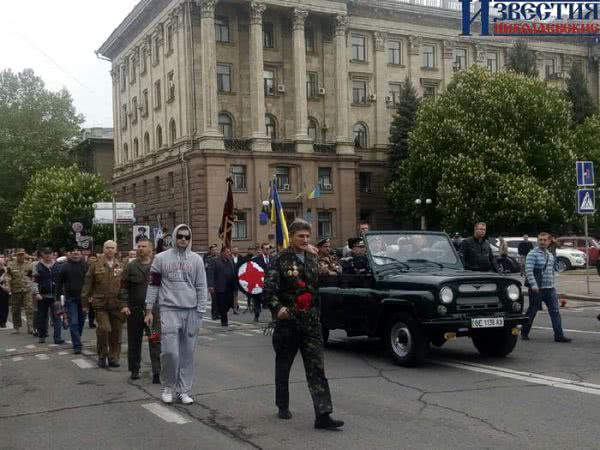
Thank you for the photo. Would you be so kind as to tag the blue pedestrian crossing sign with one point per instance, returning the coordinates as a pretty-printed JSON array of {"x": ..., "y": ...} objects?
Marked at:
[
  {"x": 585, "y": 173},
  {"x": 586, "y": 201}
]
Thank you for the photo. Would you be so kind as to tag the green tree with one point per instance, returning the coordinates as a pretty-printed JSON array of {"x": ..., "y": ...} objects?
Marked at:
[
  {"x": 577, "y": 93},
  {"x": 37, "y": 129},
  {"x": 522, "y": 60},
  {"x": 54, "y": 199},
  {"x": 495, "y": 148},
  {"x": 402, "y": 124}
]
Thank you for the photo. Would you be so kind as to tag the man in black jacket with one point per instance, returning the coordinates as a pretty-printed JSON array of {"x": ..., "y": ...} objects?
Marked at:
[
  {"x": 476, "y": 252},
  {"x": 43, "y": 294},
  {"x": 525, "y": 246},
  {"x": 69, "y": 282},
  {"x": 222, "y": 282},
  {"x": 263, "y": 259}
]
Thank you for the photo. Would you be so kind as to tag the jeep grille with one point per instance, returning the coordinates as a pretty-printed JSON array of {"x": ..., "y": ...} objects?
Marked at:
[{"x": 477, "y": 288}]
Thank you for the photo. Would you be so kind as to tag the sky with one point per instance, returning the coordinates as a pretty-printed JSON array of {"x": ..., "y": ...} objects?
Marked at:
[{"x": 57, "y": 39}]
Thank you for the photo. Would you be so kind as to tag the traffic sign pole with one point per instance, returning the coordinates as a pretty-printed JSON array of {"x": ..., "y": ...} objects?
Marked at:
[
  {"x": 587, "y": 254},
  {"x": 114, "y": 212}
]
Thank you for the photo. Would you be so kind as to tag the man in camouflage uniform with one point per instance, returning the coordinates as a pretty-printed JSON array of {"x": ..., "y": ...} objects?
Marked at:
[
  {"x": 18, "y": 278},
  {"x": 328, "y": 263},
  {"x": 134, "y": 284},
  {"x": 101, "y": 289},
  {"x": 291, "y": 291}
]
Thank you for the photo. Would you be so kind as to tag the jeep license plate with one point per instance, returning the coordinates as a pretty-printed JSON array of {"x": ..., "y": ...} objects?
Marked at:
[{"x": 488, "y": 322}]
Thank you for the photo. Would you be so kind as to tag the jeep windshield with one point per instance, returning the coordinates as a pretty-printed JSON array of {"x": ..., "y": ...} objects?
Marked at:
[{"x": 411, "y": 251}]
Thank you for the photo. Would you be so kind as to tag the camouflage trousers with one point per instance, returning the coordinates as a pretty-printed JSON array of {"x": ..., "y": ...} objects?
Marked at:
[
  {"x": 18, "y": 302},
  {"x": 301, "y": 332}
]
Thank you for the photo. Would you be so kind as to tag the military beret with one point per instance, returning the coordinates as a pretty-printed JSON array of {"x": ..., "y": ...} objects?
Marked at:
[{"x": 323, "y": 242}]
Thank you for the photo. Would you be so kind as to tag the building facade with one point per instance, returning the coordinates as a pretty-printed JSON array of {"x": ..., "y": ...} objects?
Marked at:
[
  {"x": 95, "y": 153},
  {"x": 301, "y": 93}
]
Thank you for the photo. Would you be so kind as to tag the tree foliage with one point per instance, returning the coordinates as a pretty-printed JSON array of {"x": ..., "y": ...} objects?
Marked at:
[
  {"x": 522, "y": 60},
  {"x": 494, "y": 148},
  {"x": 55, "y": 198},
  {"x": 577, "y": 93},
  {"x": 37, "y": 128},
  {"x": 403, "y": 122}
]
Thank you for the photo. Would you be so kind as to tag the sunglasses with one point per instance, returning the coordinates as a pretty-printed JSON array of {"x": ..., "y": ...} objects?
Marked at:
[{"x": 183, "y": 236}]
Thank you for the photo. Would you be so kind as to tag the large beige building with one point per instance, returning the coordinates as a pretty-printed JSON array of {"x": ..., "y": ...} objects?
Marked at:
[{"x": 301, "y": 92}]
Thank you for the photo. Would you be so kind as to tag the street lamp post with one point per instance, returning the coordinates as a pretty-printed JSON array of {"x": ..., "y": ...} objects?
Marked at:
[{"x": 419, "y": 202}]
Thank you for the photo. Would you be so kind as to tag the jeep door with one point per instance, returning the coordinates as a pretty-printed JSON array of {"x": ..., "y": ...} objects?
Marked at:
[{"x": 359, "y": 304}]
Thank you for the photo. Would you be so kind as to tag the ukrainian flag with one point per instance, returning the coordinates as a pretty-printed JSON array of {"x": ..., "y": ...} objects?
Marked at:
[
  {"x": 316, "y": 192},
  {"x": 278, "y": 218}
]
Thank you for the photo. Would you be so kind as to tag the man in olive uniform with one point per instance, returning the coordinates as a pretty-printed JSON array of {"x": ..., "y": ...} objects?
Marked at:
[
  {"x": 18, "y": 278},
  {"x": 101, "y": 289},
  {"x": 134, "y": 283},
  {"x": 291, "y": 291},
  {"x": 328, "y": 263}
]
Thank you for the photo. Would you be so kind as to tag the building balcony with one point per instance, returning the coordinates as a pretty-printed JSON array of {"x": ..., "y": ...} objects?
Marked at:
[
  {"x": 328, "y": 149},
  {"x": 283, "y": 147},
  {"x": 237, "y": 145}
]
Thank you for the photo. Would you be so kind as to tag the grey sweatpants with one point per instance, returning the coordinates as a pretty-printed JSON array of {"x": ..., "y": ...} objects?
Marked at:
[{"x": 179, "y": 330}]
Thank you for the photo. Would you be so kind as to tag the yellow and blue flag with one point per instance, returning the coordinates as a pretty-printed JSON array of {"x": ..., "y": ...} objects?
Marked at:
[
  {"x": 316, "y": 192},
  {"x": 278, "y": 218}
]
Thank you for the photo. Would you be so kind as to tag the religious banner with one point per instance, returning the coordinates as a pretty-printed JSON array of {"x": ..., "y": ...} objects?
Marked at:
[
  {"x": 228, "y": 218},
  {"x": 251, "y": 278}
]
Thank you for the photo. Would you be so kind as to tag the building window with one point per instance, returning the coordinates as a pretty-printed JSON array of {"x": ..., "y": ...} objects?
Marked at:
[
  {"x": 143, "y": 60},
  {"x": 172, "y": 131},
  {"x": 549, "y": 67},
  {"x": 394, "y": 52},
  {"x": 146, "y": 143},
  {"x": 123, "y": 77},
  {"x": 395, "y": 93},
  {"x": 364, "y": 181},
  {"x": 124, "y": 117},
  {"x": 159, "y": 137},
  {"x": 145, "y": 189},
  {"x": 169, "y": 39},
  {"x": 238, "y": 175},
  {"x": 282, "y": 178},
  {"x": 133, "y": 71},
  {"x": 309, "y": 40},
  {"x": 269, "y": 82},
  {"x": 325, "y": 179},
  {"x": 157, "y": 95},
  {"x": 460, "y": 57},
  {"x": 359, "y": 50},
  {"x": 125, "y": 152},
  {"x": 145, "y": 104},
  {"x": 240, "y": 227},
  {"x": 271, "y": 126},
  {"x": 134, "y": 110},
  {"x": 325, "y": 223},
  {"x": 155, "y": 47},
  {"x": 157, "y": 187},
  {"x": 312, "y": 84},
  {"x": 312, "y": 129},
  {"x": 222, "y": 29},
  {"x": 226, "y": 125},
  {"x": 492, "y": 61},
  {"x": 428, "y": 57},
  {"x": 136, "y": 148},
  {"x": 171, "y": 86},
  {"x": 223, "y": 77},
  {"x": 429, "y": 90},
  {"x": 268, "y": 39},
  {"x": 171, "y": 185},
  {"x": 359, "y": 92},
  {"x": 360, "y": 135}
]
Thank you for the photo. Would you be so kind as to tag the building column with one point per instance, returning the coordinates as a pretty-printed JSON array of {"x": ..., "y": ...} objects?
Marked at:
[
  {"x": 303, "y": 143},
  {"x": 382, "y": 124},
  {"x": 260, "y": 141},
  {"x": 343, "y": 142},
  {"x": 414, "y": 62},
  {"x": 208, "y": 66},
  {"x": 447, "y": 63}
]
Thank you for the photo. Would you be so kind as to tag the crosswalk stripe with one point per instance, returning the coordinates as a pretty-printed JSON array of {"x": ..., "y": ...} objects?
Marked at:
[
  {"x": 165, "y": 413},
  {"x": 42, "y": 356},
  {"x": 241, "y": 333},
  {"x": 11, "y": 350},
  {"x": 17, "y": 359},
  {"x": 63, "y": 353},
  {"x": 30, "y": 346},
  {"x": 82, "y": 363}
]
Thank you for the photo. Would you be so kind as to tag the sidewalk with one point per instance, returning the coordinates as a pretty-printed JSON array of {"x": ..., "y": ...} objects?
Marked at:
[{"x": 572, "y": 285}]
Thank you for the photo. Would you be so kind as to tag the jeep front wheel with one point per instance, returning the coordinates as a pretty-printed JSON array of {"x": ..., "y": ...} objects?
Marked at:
[
  {"x": 497, "y": 343},
  {"x": 406, "y": 341}
]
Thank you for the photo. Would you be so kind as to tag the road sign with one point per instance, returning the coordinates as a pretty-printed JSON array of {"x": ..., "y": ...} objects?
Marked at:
[
  {"x": 585, "y": 173},
  {"x": 123, "y": 214},
  {"x": 585, "y": 201},
  {"x": 118, "y": 205}
]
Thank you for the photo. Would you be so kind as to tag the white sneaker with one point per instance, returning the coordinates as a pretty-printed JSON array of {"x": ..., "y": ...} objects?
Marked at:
[
  {"x": 185, "y": 399},
  {"x": 166, "y": 395}
]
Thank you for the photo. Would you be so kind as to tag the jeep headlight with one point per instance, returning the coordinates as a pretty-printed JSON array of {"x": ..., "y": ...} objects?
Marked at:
[
  {"x": 446, "y": 295},
  {"x": 513, "y": 292}
]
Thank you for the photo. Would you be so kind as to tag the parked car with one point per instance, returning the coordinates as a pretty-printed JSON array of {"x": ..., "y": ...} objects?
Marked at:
[
  {"x": 418, "y": 293},
  {"x": 567, "y": 258},
  {"x": 506, "y": 264},
  {"x": 578, "y": 242}
]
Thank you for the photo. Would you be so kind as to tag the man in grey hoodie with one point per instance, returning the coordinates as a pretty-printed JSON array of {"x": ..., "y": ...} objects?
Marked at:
[{"x": 178, "y": 284}]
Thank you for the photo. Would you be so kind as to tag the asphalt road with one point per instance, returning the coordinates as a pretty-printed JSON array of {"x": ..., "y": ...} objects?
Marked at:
[{"x": 544, "y": 395}]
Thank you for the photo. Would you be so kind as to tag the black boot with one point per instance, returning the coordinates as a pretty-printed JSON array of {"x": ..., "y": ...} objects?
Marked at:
[
  {"x": 135, "y": 375},
  {"x": 156, "y": 379},
  {"x": 102, "y": 363},
  {"x": 284, "y": 413},
  {"x": 325, "y": 422}
]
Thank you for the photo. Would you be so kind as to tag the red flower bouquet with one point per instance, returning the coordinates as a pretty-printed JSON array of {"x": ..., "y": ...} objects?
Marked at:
[{"x": 304, "y": 301}]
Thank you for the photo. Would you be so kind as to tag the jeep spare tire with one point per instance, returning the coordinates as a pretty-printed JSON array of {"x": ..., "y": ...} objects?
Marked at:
[
  {"x": 497, "y": 343},
  {"x": 406, "y": 341}
]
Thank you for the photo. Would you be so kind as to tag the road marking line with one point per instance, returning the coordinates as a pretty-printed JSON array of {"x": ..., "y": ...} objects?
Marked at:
[
  {"x": 82, "y": 363},
  {"x": 570, "y": 331},
  {"x": 63, "y": 353},
  {"x": 30, "y": 346},
  {"x": 222, "y": 335},
  {"x": 561, "y": 383},
  {"x": 165, "y": 413},
  {"x": 241, "y": 333},
  {"x": 17, "y": 358},
  {"x": 256, "y": 331},
  {"x": 208, "y": 338},
  {"x": 42, "y": 356},
  {"x": 52, "y": 345},
  {"x": 11, "y": 349}
]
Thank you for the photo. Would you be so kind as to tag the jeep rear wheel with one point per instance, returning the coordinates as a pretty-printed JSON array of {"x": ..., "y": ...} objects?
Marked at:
[
  {"x": 497, "y": 343},
  {"x": 406, "y": 341}
]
